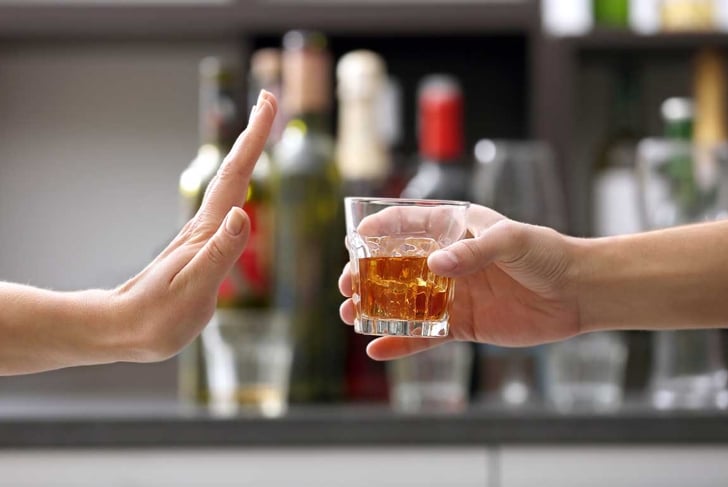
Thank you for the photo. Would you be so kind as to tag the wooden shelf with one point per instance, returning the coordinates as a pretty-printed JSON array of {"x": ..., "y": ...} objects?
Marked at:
[{"x": 271, "y": 16}]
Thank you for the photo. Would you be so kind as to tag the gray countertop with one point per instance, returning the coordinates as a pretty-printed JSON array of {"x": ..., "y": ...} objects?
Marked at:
[{"x": 48, "y": 423}]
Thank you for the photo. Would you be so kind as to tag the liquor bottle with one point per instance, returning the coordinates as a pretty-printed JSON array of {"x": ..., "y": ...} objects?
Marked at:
[
  {"x": 615, "y": 208},
  {"x": 443, "y": 172},
  {"x": 361, "y": 153},
  {"x": 309, "y": 227},
  {"x": 217, "y": 129},
  {"x": 246, "y": 344},
  {"x": 249, "y": 283},
  {"x": 364, "y": 164}
]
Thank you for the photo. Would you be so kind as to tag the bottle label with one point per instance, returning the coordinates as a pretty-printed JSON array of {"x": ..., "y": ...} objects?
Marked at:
[{"x": 249, "y": 279}]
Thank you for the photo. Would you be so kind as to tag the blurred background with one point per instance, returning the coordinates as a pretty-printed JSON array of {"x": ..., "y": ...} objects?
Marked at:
[{"x": 595, "y": 117}]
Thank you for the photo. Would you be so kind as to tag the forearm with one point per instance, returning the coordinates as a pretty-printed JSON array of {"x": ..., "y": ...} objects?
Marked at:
[
  {"x": 44, "y": 330},
  {"x": 673, "y": 278}
]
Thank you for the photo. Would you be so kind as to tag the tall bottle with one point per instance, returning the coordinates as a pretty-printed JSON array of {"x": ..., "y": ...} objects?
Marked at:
[
  {"x": 361, "y": 152},
  {"x": 364, "y": 164},
  {"x": 443, "y": 172},
  {"x": 246, "y": 344},
  {"x": 615, "y": 208},
  {"x": 309, "y": 228},
  {"x": 249, "y": 284},
  {"x": 218, "y": 126}
]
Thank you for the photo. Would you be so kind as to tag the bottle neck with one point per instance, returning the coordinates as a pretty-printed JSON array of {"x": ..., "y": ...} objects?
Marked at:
[
  {"x": 679, "y": 129},
  {"x": 217, "y": 117},
  {"x": 306, "y": 83},
  {"x": 361, "y": 153},
  {"x": 710, "y": 124},
  {"x": 314, "y": 122}
]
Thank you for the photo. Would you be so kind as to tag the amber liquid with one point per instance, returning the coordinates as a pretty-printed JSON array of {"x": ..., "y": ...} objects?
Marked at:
[{"x": 401, "y": 288}]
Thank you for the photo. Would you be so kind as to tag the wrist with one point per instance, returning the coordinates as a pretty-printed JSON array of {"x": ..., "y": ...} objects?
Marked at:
[
  {"x": 607, "y": 283},
  {"x": 101, "y": 336}
]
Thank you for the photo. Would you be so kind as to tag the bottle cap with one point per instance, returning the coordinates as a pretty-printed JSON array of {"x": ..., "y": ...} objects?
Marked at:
[
  {"x": 306, "y": 72},
  {"x": 440, "y": 118},
  {"x": 677, "y": 109},
  {"x": 360, "y": 74}
]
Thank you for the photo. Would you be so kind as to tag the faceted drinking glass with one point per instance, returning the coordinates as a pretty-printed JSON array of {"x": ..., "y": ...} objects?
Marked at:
[{"x": 389, "y": 240}]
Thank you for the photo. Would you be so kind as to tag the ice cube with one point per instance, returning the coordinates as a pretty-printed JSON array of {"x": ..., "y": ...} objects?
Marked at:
[{"x": 401, "y": 246}]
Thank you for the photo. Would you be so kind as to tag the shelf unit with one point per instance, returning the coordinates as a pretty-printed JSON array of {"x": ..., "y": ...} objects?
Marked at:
[
  {"x": 272, "y": 16},
  {"x": 530, "y": 81}
]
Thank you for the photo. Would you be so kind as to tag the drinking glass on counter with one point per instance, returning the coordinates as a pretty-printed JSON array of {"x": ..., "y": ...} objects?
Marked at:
[
  {"x": 248, "y": 360},
  {"x": 389, "y": 240},
  {"x": 436, "y": 380},
  {"x": 586, "y": 373}
]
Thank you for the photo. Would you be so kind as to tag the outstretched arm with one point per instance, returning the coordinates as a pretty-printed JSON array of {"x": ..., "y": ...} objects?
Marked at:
[
  {"x": 160, "y": 310},
  {"x": 519, "y": 284}
]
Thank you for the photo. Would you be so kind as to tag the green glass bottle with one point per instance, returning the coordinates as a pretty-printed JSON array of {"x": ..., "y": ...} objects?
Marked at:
[{"x": 309, "y": 227}]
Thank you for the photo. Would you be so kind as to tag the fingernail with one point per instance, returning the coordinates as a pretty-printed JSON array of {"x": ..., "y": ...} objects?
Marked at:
[
  {"x": 446, "y": 260},
  {"x": 252, "y": 112},
  {"x": 234, "y": 221},
  {"x": 261, "y": 96}
]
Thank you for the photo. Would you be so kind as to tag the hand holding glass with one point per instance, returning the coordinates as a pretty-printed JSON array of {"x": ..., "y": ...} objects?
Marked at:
[{"x": 389, "y": 240}]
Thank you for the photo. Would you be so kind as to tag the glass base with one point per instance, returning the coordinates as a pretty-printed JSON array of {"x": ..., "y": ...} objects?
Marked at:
[
  {"x": 406, "y": 328},
  {"x": 427, "y": 396}
]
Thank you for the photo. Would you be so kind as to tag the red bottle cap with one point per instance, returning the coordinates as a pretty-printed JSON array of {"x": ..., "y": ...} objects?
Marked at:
[{"x": 440, "y": 119}]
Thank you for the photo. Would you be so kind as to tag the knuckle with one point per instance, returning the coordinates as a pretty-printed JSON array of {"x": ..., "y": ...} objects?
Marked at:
[
  {"x": 471, "y": 248},
  {"x": 215, "y": 252},
  {"x": 515, "y": 233}
]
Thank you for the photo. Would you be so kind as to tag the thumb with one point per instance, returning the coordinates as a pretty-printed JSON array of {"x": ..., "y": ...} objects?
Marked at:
[
  {"x": 505, "y": 241},
  {"x": 213, "y": 261}
]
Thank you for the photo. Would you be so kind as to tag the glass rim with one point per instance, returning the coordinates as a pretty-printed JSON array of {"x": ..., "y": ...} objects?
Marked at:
[{"x": 405, "y": 201}]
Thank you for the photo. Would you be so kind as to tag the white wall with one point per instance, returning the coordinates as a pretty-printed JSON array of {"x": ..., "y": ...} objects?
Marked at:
[{"x": 93, "y": 137}]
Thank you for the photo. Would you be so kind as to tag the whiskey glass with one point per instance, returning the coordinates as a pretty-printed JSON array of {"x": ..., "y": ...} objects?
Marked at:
[{"x": 389, "y": 240}]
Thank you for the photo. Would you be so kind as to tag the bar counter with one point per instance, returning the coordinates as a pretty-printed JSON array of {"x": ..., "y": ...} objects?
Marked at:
[{"x": 51, "y": 422}]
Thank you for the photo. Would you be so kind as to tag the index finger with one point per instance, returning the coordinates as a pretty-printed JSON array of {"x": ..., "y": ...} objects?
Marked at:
[{"x": 229, "y": 187}]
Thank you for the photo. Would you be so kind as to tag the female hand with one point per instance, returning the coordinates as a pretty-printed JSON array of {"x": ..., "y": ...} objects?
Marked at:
[
  {"x": 157, "y": 312},
  {"x": 168, "y": 304}
]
